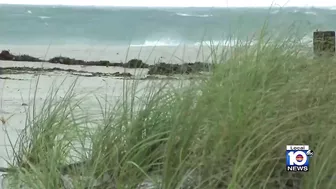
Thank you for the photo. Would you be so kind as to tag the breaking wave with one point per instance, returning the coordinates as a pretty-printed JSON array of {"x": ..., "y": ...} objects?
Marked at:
[
  {"x": 174, "y": 43},
  {"x": 194, "y": 15},
  {"x": 44, "y": 17}
]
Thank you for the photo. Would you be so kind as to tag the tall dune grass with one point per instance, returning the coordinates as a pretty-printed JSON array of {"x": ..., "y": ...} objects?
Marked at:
[{"x": 227, "y": 132}]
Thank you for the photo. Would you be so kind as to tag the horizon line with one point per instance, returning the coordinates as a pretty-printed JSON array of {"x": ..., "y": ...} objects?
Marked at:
[{"x": 126, "y": 6}]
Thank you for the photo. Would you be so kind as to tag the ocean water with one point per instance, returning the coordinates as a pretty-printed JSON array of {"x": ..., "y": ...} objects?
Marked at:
[{"x": 62, "y": 25}]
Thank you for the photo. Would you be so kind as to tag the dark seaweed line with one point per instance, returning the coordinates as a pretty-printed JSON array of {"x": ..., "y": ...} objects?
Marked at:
[
  {"x": 22, "y": 70},
  {"x": 160, "y": 68},
  {"x": 126, "y": 75}
]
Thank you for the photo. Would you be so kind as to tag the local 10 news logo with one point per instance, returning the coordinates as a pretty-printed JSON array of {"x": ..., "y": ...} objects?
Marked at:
[{"x": 297, "y": 158}]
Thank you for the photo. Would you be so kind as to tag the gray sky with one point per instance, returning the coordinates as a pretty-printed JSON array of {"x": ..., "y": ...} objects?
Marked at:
[{"x": 180, "y": 3}]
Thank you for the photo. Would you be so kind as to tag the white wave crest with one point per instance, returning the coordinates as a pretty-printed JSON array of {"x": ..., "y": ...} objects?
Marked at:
[
  {"x": 332, "y": 8},
  {"x": 311, "y": 13},
  {"x": 44, "y": 17},
  {"x": 29, "y": 12},
  {"x": 194, "y": 15},
  {"x": 174, "y": 43},
  {"x": 162, "y": 42}
]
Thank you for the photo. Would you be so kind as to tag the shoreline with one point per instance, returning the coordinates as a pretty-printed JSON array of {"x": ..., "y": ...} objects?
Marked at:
[
  {"x": 116, "y": 53},
  {"x": 118, "y": 75},
  {"x": 158, "y": 68}
]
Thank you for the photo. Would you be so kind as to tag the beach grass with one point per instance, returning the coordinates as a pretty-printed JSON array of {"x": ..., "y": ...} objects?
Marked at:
[{"x": 228, "y": 131}]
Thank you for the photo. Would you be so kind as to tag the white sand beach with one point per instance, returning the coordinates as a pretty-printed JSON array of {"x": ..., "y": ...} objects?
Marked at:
[{"x": 17, "y": 95}]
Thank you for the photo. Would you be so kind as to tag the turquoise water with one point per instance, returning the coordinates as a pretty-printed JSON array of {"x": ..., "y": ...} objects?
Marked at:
[{"x": 22, "y": 24}]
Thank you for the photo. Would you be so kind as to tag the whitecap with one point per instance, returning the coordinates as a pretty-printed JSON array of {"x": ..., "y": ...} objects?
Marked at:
[
  {"x": 44, "y": 17},
  {"x": 182, "y": 14},
  {"x": 162, "y": 42},
  {"x": 173, "y": 43},
  {"x": 29, "y": 12},
  {"x": 194, "y": 15},
  {"x": 311, "y": 13}
]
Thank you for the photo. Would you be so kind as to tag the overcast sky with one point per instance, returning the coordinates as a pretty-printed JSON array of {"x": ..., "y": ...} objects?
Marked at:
[{"x": 179, "y": 3}]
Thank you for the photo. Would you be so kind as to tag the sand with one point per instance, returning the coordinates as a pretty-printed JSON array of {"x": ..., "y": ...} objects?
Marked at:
[
  {"x": 102, "y": 69},
  {"x": 15, "y": 93}
]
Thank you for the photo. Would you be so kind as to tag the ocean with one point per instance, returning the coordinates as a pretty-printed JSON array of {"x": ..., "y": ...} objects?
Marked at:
[{"x": 65, "y": 25}]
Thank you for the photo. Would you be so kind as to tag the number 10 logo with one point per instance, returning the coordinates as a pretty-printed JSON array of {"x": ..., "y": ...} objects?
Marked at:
[{"x": 297, "y": 158}]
